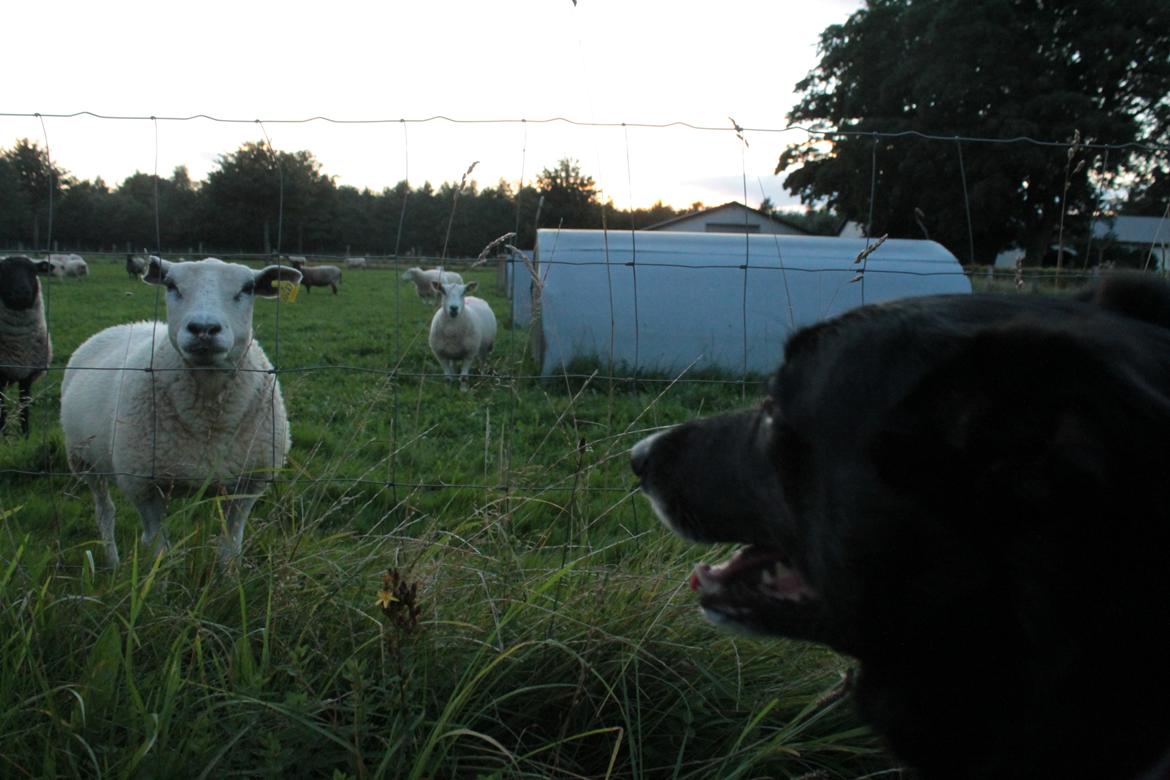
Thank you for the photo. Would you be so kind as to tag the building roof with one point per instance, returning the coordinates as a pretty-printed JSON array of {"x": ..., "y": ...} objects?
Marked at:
[
  {"x": 1127, "y": 229},
  {"x": 730, "y": 205}
]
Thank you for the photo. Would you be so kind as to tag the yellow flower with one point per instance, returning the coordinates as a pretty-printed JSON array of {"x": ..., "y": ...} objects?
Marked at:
[{"x": 385, "y": 599}]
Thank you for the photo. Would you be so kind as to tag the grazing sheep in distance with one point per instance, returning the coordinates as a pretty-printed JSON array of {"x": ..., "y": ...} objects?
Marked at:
[
  {"x": 317, "y": 275},
  {"x": 68, "y": 266},
  {"x": 355, "y": 262},
  {"x": 424, "y": 280},
  {"x": 463, "y": 329},
  {"x": 180, "y": 405},
  {"x": 135, "y": 265},
  {"x": 25, "y": 348}
]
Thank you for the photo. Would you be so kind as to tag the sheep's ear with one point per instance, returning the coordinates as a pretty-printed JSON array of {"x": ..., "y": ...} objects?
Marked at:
[
  {"x": 43, "y": 267},
  {"x": 156, "y": 270},
  {"x": 437, "y": 287},
  {"x": 470, "y": 287},
  {"x": 268, "y": 279}
]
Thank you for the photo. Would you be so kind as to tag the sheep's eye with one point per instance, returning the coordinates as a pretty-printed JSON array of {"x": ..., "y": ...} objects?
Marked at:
[
  {"x": 248, "y": 289},
  {"x": 172, "y": 287}
]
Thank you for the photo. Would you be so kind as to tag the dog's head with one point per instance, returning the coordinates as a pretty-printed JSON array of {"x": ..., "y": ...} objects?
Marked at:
[{"x": 967, "y": 493}]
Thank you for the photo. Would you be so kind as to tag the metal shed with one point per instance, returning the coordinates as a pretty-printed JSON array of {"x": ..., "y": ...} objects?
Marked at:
[{"x": 663, "y": 303}]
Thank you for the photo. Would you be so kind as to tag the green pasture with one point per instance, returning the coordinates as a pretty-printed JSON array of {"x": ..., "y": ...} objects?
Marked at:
[{"x": 537, "y": 623}]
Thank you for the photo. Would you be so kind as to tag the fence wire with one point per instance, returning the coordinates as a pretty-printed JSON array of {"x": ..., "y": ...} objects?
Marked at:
[{"x": 641, "y": 257}]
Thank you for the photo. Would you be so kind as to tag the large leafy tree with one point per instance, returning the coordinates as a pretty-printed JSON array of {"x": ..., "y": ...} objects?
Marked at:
[
  {"x": 27, "y": 180},
  {"x": 1078, "y": 71},
  {"x": 260, "y": 200},
  {"x": 570, "y": 196}
]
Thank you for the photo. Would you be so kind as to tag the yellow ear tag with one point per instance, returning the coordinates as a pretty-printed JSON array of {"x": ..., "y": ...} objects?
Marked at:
[{"x": 288, "y": 291}]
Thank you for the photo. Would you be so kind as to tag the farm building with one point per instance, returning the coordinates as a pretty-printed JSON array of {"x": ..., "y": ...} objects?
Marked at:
[
  {"x": 1148, "y": 236},
  {"x": 1145, "y": 238},
  {"x": 665, "y": 302},
  {"x": 731, "y": 217}
]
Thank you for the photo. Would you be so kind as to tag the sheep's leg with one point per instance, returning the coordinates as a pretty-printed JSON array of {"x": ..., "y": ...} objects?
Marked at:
[
  {"x": 151, "y": 503},
  {"x": 448, "y": 369},
  {"x": 25, "y": 404},
  {"x": 103, "y": 507},
  {"x": 152, "y": 506},
  {"x": 334, "y": 288},
  {"x": 239, "y": 506},
  {"x": 464, "y": 372}
]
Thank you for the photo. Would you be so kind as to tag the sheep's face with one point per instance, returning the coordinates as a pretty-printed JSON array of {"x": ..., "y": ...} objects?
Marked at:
[
  {"x": 453, "y": 296},
  {"x": 209, "y": 306},
  {"x": 19, "y": 286}
]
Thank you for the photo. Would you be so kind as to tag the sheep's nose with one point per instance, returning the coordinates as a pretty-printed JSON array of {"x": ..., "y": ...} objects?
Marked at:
[
  {"x": 640, "y": 454},
  {"x": 203, "y": 330},
  {"x": 454, "y": 311}
]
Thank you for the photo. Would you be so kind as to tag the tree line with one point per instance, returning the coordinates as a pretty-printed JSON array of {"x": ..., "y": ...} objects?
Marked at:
[
  {"x": 1093, "y": 77},
  {"x": 257, "y": 200}
]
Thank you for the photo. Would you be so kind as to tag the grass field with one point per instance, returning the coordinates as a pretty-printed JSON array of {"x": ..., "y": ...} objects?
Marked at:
[{"x": 540, "y": 625}]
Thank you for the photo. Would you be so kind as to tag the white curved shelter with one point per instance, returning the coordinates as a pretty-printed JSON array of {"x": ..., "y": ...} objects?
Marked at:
[{"x": 664, "y": 303}]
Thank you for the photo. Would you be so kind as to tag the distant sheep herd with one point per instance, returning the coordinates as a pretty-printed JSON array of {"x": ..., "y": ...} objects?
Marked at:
[{"x": 135, "y": 397}]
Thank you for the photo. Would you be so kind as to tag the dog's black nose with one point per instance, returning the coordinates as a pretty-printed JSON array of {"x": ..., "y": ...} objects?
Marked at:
[{"x": 640, "y": 454}]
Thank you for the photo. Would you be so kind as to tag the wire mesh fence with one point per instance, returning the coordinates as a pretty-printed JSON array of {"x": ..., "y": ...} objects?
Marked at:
[{"x": 374, "y": 422}]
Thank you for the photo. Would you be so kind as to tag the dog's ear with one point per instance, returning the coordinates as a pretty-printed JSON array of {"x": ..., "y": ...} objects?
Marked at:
[{"x": 1027, "y": 420}]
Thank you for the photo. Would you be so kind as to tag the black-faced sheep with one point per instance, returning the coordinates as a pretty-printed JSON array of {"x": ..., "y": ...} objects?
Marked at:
[
  {"x": 463, "y": 329},
  {"x": 425, "y": 279},
  {"x": 135, "y": 265},
  {"x": 25, "y": 348},
  {"x": 317, "y": 275},
  {"x": 180, "y": 405}
]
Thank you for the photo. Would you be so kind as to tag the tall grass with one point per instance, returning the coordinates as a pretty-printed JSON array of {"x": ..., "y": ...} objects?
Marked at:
[{"x": 553, "y": 635}]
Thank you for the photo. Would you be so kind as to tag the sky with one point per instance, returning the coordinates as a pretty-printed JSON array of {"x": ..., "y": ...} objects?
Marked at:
[{"x": 598, "y": 61}]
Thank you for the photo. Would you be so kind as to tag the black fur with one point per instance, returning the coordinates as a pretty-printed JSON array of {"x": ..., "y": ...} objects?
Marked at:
[
  {"x": 976, "y": 491},
  {"x": 19, "y": 291}
]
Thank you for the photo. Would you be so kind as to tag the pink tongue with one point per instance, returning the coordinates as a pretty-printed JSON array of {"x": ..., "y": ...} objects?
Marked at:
[{"x": 745, "y": 558}]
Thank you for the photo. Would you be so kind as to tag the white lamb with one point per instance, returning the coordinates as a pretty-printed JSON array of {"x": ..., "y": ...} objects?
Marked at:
[
  {"x": 463, "y": 329},
  {"x": 355, "y": 262},
  {"x": 425, "y": 279},
  {"x": 71, "y": 266},
  {"x": 179, "y": 406}
]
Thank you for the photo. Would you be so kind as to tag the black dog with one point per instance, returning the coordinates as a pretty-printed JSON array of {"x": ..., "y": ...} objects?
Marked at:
[{"x": 971, "y": 495}]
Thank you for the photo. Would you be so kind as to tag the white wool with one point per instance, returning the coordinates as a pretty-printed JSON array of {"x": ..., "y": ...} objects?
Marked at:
[
  {"x": 71, "y": 266},
  {"x": 423, "y": 280},
  {"x": 179, "y": 405},
  {"x": 463, "y": 329}
]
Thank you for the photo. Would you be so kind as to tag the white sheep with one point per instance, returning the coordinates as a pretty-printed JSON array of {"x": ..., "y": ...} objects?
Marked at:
[
  {"x": 424, "y": 280},
  {"x": 69, "y": 266},
  {"x": 463, "y": 329},
  {"x": 25, "y": 347},
  {"x": 170, "y": 408},
  {"x": 355, "y": 262},
  {"x": 317, "y": 275}
]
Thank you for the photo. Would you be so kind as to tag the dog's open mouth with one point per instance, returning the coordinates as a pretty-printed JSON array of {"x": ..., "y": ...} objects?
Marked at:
[
  {"x": 761, "y": 571},
  {"x": 757, "y": 590}
]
